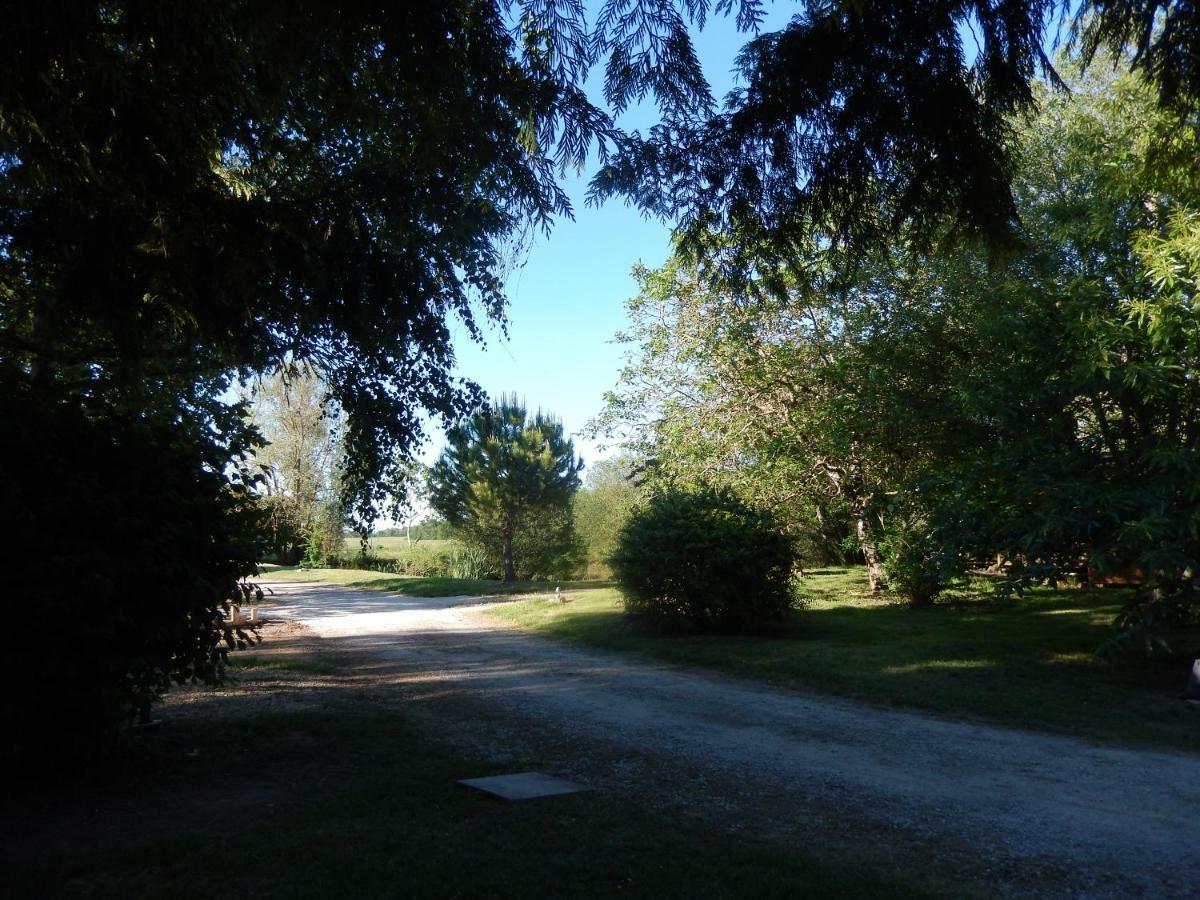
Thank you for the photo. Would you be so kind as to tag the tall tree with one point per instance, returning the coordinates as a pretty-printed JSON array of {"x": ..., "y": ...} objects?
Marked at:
[
  {"x": 299, "y": 460},
  {"x": 502, "y": 471},
  {"x": 721, "y": 390},
  {"x": 196, "y": 195},
  {"x": 860, "y": 121},
  {"x": 604, "y": 504}
]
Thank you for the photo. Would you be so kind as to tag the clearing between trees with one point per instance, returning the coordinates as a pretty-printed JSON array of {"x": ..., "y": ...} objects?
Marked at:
[{"x": 1031, "y": 811}]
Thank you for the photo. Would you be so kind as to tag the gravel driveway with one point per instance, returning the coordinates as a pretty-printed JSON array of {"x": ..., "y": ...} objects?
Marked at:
[{"x": 1074, "y": 817}]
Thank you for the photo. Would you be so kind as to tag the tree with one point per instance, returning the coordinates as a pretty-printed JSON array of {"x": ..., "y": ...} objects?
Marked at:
[
  {"x": 862, "y": 122},
  {"x": 299, "y": 462},
  {"x": 602, "y": 507},
  {"x": 1040, "y": 409},
  {"x": 192, "y": 197},
  {"x": 502, "y": 472},
  {"x": 749, "y": 395}
]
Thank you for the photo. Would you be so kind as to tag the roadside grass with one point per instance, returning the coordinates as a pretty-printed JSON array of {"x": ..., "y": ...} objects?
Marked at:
[
  {"x": 248, "y": 663},
  {"x": 354, "y": 803},
  {"x": 416, "y": 586},
  {"x": 1027, "y": 663}
]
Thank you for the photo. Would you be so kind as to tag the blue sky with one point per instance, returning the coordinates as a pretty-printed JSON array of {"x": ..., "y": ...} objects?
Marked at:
[{"x": 567, "y": 297}]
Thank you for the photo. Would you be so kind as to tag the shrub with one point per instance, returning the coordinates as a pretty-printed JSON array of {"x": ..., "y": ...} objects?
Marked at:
[
  {"x": 919, "y": 560},
  {"x": 704, "y": 561},
  {"x": 471, "y": 562},
  {"x": 420, "y": 562},
  {"x": 134, "y": 596}
]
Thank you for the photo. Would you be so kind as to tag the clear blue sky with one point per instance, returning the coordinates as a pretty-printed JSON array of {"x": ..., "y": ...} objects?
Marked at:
[{"x": 567, "y": 298}]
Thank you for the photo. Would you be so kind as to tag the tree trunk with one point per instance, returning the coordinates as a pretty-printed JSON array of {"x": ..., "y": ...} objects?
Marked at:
[
  {"x": 506, "y": 536},
  {"x": 866, "y": 541}
]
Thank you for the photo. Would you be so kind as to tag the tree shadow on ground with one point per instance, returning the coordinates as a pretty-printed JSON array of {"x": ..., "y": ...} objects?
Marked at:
[{"x": 1028, "y": 663}]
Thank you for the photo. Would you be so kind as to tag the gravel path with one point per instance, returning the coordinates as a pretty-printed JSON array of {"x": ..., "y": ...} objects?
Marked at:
[{"x": 1104, "y": 821}]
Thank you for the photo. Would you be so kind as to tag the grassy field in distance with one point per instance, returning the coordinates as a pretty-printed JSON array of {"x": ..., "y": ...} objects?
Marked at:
[{"x": 395, "y": 547}]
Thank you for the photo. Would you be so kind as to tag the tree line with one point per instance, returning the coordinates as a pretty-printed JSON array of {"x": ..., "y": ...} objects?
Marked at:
[
  {"x": 937, "y": 413},
  {"x": 194, "y": 198}
]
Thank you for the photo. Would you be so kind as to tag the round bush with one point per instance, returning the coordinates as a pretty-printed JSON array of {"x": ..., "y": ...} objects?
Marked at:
[{"x": 706, "y": 562}]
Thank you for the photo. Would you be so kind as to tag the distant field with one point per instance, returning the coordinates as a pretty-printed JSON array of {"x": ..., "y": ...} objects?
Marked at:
[{"x": 395, "y": 547}]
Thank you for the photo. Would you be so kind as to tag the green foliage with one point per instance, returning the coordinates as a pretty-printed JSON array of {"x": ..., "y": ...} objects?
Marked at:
[
  {"x": 704, "y": 561},
  {"x": 283, "y": 530},
  {"x": 860, "y": 123},
  {"x": 202, "y": 196},
  {"x": 135, "y": 593},
  {"x": 601, "y": 509},
  {"x": 505, "y": 482},
  {"x": 301, "y": 484},
  {"x": 470, "y": 562},
  {"x": 919, "y": 558},
  {"x": 418, "y": 561},
  {"x": 195, "y": 196},
  {"x": 243, "y": 187},
  {"x": 951, "y": 407},
  {"x": 548, "y": 547}
]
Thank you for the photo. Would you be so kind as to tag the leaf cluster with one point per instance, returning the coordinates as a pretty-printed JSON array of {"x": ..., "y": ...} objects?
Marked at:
[{"x": 704, "y": 561}]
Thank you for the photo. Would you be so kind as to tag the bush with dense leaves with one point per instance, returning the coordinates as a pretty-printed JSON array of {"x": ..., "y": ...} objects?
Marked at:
[
  {"x": 920, "y": 558},
  {"x": 127, "y": 547},
  {"x": 704, "y": 561}
]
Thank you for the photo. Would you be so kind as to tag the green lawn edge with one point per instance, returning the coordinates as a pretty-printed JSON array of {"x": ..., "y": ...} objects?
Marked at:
[{"x": 1026, "y": 663}]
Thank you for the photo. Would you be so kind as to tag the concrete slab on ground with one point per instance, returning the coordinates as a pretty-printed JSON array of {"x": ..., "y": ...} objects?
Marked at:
[{"x": 524, "y": 786}]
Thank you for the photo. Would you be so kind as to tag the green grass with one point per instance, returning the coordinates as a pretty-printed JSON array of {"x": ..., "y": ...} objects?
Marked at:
[
  {"x": 1026, "y": 663},
  {"x": 415, "y": 586},
  {"x": 395, "y": 547},
  {"x": 250, "y": 664},
  {"x": 359, "y": 804}
]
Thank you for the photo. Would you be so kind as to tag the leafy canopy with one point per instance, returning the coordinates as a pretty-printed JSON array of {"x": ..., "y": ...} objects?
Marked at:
[
  {"x": 197, "y": 193},
  {"x": 704, "y": 561}
]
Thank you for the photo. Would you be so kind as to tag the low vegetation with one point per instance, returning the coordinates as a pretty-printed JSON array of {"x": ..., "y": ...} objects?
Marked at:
[
  {"x": 1028, "y": 663},
  {"x": 396, "y": 546},
  {"x": 395, "y": 556},
  {"x": 704, "y": 561}
]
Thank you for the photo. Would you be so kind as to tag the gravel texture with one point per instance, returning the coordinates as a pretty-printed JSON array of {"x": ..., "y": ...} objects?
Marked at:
[{"x": 1018, "y": 812}]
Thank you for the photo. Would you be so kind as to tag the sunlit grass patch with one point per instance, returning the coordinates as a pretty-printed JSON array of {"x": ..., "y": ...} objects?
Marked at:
[{"x": 1027, "y": 662}]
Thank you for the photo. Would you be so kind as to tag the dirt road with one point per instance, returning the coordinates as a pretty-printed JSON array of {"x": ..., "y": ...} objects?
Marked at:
[{"x": 1033, "y": 812}]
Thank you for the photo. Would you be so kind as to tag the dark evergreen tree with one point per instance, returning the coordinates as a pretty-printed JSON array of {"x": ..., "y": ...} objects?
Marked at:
[{"x": 502, "y": 473}]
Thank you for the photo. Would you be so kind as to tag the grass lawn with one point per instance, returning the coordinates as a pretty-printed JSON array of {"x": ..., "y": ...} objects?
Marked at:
[
  {"x": 1026, "y": 663},
  {"x": 416, "y": 586},
  {"x": 395, "y": 547},
  {"x": 355, "y": 803}
]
